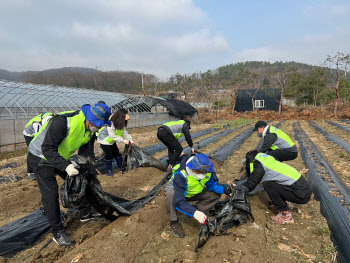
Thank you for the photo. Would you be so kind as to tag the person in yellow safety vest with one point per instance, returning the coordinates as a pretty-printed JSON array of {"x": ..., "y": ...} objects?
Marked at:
[
  {"x": 275, "y": 142},
  {"x": 169, "y": 133},
  {"x": 194, "y": 179},
  {"x": 109, "y": 136},
  {"x": 281, "y": 182},
  {"x": 32, "y": 128},
  {"x": 49, "y": 154}
]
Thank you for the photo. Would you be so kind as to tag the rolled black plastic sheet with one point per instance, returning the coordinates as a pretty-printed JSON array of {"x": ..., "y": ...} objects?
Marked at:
[
  {"x": 338, "y": 125},
  {"x": 330, "y": 190},
  {"x": 23, "y": 233},
  {"x": 333, "y": 138}
]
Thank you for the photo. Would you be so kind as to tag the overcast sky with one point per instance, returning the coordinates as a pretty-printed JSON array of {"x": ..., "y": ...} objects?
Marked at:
[{"x": 163, "y": 37}]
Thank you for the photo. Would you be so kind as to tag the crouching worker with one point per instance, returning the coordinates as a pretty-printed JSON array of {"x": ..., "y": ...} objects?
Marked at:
[
  {"x": 281, "y": 182},
  {"x": 276, "y": 143},
  {"x": 109, "y": 136},
  {"x": 169, "y": 133},
  {"x": 194, "y": 179},
  {"x": 49, "y": 154}
]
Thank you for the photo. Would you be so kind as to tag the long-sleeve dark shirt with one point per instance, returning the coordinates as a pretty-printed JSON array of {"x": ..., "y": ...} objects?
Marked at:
[
  {"x": 255, "y": 177},
  {"x": 269, "y": 139},
  {"x": 56, "y": 133}
]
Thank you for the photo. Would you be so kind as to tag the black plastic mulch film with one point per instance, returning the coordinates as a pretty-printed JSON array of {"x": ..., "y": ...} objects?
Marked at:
[
  {"x": 338, "y": 125},
  {"x": 330, "y": 190},
  {"x": 333, "y": 138},
  {"x": 22, "y": 233},
  {"x": 152, "y": 149}
]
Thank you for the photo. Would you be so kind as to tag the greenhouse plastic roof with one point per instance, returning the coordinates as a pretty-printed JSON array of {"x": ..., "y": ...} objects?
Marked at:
[{"x": 18, "y": 100}]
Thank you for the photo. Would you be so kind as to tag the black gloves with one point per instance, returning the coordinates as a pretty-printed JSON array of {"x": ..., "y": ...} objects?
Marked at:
[{"x": 227, "y": 189}]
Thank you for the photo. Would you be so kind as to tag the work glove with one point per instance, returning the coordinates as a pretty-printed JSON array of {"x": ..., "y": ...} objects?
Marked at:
[
  {"x": 126, "y": 142},
  {"x": 200, "y": 217},
  {"x": 131, "y": 141},
  {"x": 228, "y": 189},
  {"x": 71, "y": 171},
  {"x": 182, "y": 154},
  {"x": 192, "y": 150}
]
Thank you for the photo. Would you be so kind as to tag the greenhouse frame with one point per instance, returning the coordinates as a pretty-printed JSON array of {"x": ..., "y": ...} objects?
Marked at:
[{"x": 20, "y": 102}]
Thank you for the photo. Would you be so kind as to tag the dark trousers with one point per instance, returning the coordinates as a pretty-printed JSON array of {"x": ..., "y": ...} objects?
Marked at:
[
  {"x": 87, "y": 150},
  {"x": 28, "y": 139},
  {"x": 282, "y": 155},
  {"x": 174, "y": 147},
  {"x": 206, "y": 200},
  {"x": 111, "y": 151},
  {"x": 46, "y": 177},
  {"x": 279, "y": 195}
]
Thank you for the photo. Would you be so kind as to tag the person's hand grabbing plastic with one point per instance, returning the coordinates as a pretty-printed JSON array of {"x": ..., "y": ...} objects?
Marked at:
[
  {"x": 126, "y": 141},
  {"x": 192, "y": 150},
  {"x": 131, "y": 141},
  {"x": 228, "y": 189},
  {"x": 71, "y": 171},
  {"x": 200, "y": 217}
]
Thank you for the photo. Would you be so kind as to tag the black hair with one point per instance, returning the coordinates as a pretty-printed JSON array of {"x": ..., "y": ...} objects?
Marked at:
[
  {"x": 118, "y": 119},
  {"x": 250, "y": 156}
]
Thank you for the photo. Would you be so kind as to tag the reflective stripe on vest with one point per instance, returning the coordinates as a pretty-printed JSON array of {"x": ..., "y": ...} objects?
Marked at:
[
  {"x": 175, "y": 127},
  {"x": 76, "y": 136},
  {"x": 283, "y": 141},
  {"x": 275, "y": 170},
  {"x": 29, "y": 129},
  {"x": 103, "y": 135},
  {"x": 194, "y": 186}
]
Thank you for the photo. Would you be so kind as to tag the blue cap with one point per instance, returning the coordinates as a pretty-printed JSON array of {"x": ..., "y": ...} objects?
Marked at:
[
  {"x": 201, "y": 163},
  {"x": 98, "y": 114}
]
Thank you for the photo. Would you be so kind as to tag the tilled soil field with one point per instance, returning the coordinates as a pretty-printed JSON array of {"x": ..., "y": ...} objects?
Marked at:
[{"x": 145, "y": 236}]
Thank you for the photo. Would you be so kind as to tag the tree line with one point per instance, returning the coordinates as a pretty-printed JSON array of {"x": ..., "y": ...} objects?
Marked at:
[{"x": 305, "y": 84}]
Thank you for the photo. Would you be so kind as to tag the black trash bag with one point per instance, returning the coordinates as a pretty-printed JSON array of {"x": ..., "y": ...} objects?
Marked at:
[
  {"x": 23, "y": 233},
  {"x": 73, "y": 191},
  {"x": 98, "y": 199},
  {"x": 232, "y": 212},
  {"x": 134, "y": 157}
]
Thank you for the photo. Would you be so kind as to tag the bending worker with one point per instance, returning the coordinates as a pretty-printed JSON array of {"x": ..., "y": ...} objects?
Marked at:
[
  {"x": 281, "y": 182},
  {"x": 49, "y": 154},
  {"x": 169, "y": 133},
  {"x": 32, "y": 128},
  {"x": 109, "y": 136},
  {"x": 276, "y": 143},
  {"x": 194, "y": 179}
]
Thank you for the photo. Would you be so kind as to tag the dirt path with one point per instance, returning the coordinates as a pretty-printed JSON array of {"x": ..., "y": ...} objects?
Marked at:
[{"x": 145, "y": 236}]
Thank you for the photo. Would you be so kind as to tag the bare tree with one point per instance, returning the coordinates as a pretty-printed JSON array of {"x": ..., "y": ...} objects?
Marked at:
[{"x": 340, "y": 61}]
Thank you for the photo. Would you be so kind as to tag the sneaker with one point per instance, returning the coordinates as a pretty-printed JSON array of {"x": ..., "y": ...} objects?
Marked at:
[
  {"x": 283, "y": 217},
  {"x": 62, "y": 239},
  {"x": 109, "y": 173},
  {"x": 89, "y": 216},
  {"x": 176, "y": 229},
  {"x": 31, "y": 176}
]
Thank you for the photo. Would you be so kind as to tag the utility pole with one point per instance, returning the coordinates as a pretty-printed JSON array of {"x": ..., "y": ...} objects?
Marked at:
[{"x": 143, "y": 89}]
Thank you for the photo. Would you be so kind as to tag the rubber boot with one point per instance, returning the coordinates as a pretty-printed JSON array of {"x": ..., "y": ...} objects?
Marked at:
[
  {"x": 119, "y": 162},
  {"x": 109, "y": 168}
]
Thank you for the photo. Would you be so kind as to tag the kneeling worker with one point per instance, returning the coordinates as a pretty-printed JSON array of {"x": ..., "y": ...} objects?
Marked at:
[
  {"x": 194, "y": 179},
  {"x": 49, "y": 154},
  {"x": 169, "y": 133},
  {"x": 276, "y": 143},
  {"x": 281, "y": 182}
]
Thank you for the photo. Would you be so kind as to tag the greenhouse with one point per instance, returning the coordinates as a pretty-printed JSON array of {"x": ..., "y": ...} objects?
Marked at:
[{"x": 19, "y": 102}]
